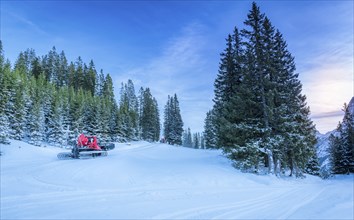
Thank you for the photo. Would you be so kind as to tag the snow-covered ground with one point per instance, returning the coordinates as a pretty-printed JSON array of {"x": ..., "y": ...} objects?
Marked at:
[{"x": 158, "y": 181}]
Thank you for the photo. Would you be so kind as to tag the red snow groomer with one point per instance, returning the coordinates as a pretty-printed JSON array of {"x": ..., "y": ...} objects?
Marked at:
[
  {"x": 87, "y": 147},
  {"x": 89, "y": 142}
]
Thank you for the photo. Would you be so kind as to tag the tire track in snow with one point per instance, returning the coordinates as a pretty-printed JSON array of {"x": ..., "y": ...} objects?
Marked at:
[
  {"x": 231, "y": 210},
  {"x": 265, "y": 209},
  {"x": 303, "y": 202}
]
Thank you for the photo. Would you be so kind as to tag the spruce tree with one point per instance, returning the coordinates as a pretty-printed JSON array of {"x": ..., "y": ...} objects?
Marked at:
[
  {"x": 90, "y": 78},
  {"x": 260, "y": 117},
  {"x": 150, "y": 121},
  {"x": 187, "y": 138},
  {"x": 36, "y": 67},
  {"x": 63, "y": 70},
  {"x": 5, "y": 71},
  {"x": 19, "y": 111},
  {"x": 156, "y": 119},
  {"x": 173, "y": 124},
  {"x": 128, "y": 107},
  {"x": 196, "y": 140},
  {"x": 210, "y": 130},
  {"x": 342, "y": 145}
]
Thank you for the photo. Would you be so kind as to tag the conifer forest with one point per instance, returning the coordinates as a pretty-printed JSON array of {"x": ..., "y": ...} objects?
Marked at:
[{"x": 259, "y": 118}]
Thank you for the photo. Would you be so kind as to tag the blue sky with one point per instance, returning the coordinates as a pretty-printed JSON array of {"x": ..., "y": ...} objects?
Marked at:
[{"x": 174, "y": 46}]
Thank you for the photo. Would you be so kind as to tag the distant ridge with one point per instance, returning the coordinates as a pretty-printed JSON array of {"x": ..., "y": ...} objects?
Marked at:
[{"x": 351, "y": 106}]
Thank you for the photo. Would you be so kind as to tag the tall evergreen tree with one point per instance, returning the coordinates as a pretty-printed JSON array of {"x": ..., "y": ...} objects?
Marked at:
[
  {"x": 5, "y": 71},
  {"x": 150, "y": 125},
  {"x": 342, "y": 145},
  {"x": 187, "y": 138},
  {"x": 261, "y": 119},
  {"x": 209, "y": 130},
  {"x": 173, "y": 124},
  {"x": 90, "y": 78},
  {"x": 129, "y": 110},
  {"x": 196, "y": 140},
  {"x": 99, "y": 84},
  {"x": 63, "y": 70},
  {"x": 18, "y": 120}
]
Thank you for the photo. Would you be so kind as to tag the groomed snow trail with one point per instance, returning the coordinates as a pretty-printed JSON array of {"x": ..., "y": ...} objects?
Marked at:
[{"x": 156, "y": 181}]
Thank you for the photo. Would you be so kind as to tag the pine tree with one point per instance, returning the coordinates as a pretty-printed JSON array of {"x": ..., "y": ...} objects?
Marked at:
[
  {"x": 209, "y": 130},
  {"x": 225, "y": 84},
  {"x": 36, "y": 67},
  {"x": 50, "y": 66},
  {"x": 54, "y": 131},
  {"x": 260, "y": 117},
  {"x": 10, "y": 88},
  {"x": 2, "y": 60},
  {"x": 173, "y": 124},
  {"x": 76, "y": 112},
  {"x": 36, "y": 123},
  {"x": 336, "y": 152},
  {"x": 187, "y": 138},
  {"x": 202, "y": 141},
  {"x": 347, "y": 136},
  {"x": 133, "y": 107},
  {"x": 18, "y": 119},
  {"x": 342, "y": 145},
  {"x": 128, "y": 108},
  {"x": 79, "y": 74},
  {"x": 313, "y": 166},
  {"x": 149, "y": 119},
  {"x": 58, "y": 121},
  {"x": 196, "y": 140},
  {"x": 156, "y": 119},
  {"x": 5, "y": 71},
  {"x": 99, "y": 84},
  {"x": 72, "y": 83},
  {"x": 90, "y": 78},
  {"x": 30, "y": 96},
  {"x": 24, "y": 62},
  {"x": 104, "y": 115},
  {"x": 63, "y": 70},
  {"x": 113, "y": 125}
]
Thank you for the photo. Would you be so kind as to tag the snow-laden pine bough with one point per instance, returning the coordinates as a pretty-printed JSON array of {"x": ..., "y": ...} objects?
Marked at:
[{"x": 87, "y": 147}]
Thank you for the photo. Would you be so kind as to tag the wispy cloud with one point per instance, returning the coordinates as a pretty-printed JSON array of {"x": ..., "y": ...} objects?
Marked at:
[
  {"x": 328, "y": 81},
  {"x": 325, "y": 115},
  {"x": 28, "y": 23},
  {"x": 177, "y": 69}
]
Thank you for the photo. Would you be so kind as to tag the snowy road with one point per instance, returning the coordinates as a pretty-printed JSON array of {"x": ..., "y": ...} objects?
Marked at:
[{"x": 157, "y": 181}]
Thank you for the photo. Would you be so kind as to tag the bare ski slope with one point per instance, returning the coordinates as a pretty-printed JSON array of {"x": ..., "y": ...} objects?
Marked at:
[{"x": 157, "y": 181}]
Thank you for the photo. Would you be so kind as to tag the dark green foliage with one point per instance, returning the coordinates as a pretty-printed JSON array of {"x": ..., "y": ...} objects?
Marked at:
[
  {"x": 173, "y": 124},
  {"x": 196, "y": 140},
  {"x": 5, "y": 73},
  {"x": 48, "y": 100},
  {"x": 149, "y": 119},
  {"x": 187, "y": 138},
  {"x": 260, "y": 118},
  {"x": 210, "y": 130},
  {"x": 128, "y": 110},
  {"x": 342, "y": 144},
  {"x": 313, "y": 166}
]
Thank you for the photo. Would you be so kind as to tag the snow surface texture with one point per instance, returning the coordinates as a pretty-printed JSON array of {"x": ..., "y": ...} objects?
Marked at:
[{"x": 157, "y": 181}]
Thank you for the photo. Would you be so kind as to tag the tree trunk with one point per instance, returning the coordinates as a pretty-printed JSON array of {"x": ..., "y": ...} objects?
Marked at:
[
  {"x": 270, "y": 161},
  {"x": 276, "y": 167}
]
